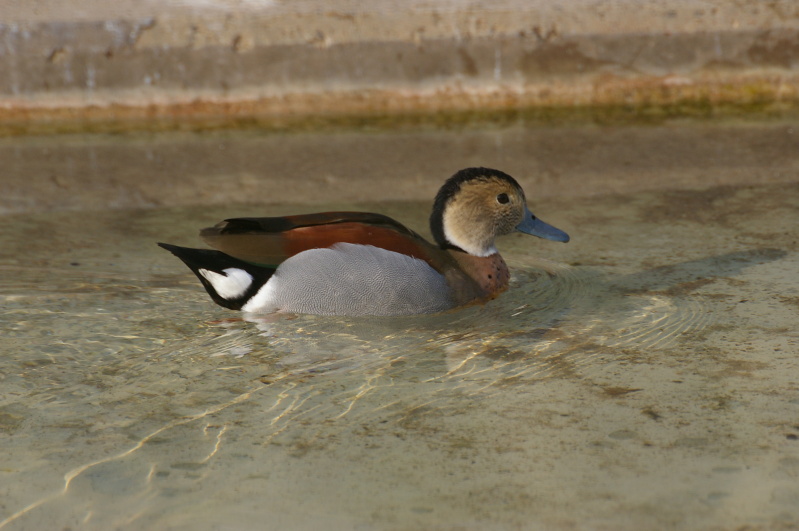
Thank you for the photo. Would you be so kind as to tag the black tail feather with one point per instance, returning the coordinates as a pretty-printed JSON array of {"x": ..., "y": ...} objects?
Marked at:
[{"x": 218, "y": 262}]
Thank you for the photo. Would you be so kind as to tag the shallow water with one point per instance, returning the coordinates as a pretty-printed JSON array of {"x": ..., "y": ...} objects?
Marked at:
[{"x": 645, "y": 375}]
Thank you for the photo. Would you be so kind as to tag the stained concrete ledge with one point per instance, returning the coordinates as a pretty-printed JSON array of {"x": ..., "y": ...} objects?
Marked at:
[{"x": 74, "y": 65}]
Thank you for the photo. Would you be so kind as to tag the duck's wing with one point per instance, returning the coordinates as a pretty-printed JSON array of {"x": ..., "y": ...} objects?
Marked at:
[{"x": 270, "y": 241}]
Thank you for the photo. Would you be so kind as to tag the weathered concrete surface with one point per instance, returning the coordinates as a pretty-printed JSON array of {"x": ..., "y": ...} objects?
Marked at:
[{"x": 75, "y": 64}]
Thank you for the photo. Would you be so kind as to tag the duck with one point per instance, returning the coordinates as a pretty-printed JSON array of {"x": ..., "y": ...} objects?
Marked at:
[{"x": 368, "y": 264}]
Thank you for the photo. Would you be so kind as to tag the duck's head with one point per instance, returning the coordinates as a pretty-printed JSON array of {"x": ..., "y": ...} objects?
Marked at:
[{"x": 478, "y": 204}]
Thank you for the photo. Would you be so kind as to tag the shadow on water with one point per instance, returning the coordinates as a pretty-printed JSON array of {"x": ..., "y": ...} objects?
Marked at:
[{"x": 680, "y": 278}]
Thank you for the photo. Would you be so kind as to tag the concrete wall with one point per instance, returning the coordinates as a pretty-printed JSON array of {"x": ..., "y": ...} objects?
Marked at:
[{"x": 78, "y": 64}]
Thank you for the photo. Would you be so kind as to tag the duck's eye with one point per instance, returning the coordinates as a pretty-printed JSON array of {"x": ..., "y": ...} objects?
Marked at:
[{"x": 502, "y": 199}]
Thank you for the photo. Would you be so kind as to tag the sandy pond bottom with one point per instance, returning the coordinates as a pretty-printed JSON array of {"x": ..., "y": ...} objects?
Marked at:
[{"x": 644, "y": 376}]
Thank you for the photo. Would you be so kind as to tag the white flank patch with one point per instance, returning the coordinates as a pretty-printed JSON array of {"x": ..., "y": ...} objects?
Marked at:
[
  {"x": 232, "y": 285},
  {"x": 263, "y": 300}
]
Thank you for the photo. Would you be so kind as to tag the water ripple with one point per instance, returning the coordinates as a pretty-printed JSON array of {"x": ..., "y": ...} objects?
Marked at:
[{"x": 308, "y": 378}]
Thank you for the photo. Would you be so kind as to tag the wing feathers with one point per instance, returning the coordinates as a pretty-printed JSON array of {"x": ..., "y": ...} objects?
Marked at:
[{"x": 270, "y": 241}]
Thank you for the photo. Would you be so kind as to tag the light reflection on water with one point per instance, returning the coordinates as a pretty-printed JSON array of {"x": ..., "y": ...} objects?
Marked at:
[
  {"x": 302, "y": 377},
  {"x": 128, "y": 406}
]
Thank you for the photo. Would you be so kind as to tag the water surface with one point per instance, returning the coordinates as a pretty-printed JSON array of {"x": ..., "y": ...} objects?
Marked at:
[{"x": 645, "y": 375}]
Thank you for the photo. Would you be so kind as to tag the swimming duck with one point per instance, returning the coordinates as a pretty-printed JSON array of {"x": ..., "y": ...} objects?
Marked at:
[{"x": 359, "y": 263}]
